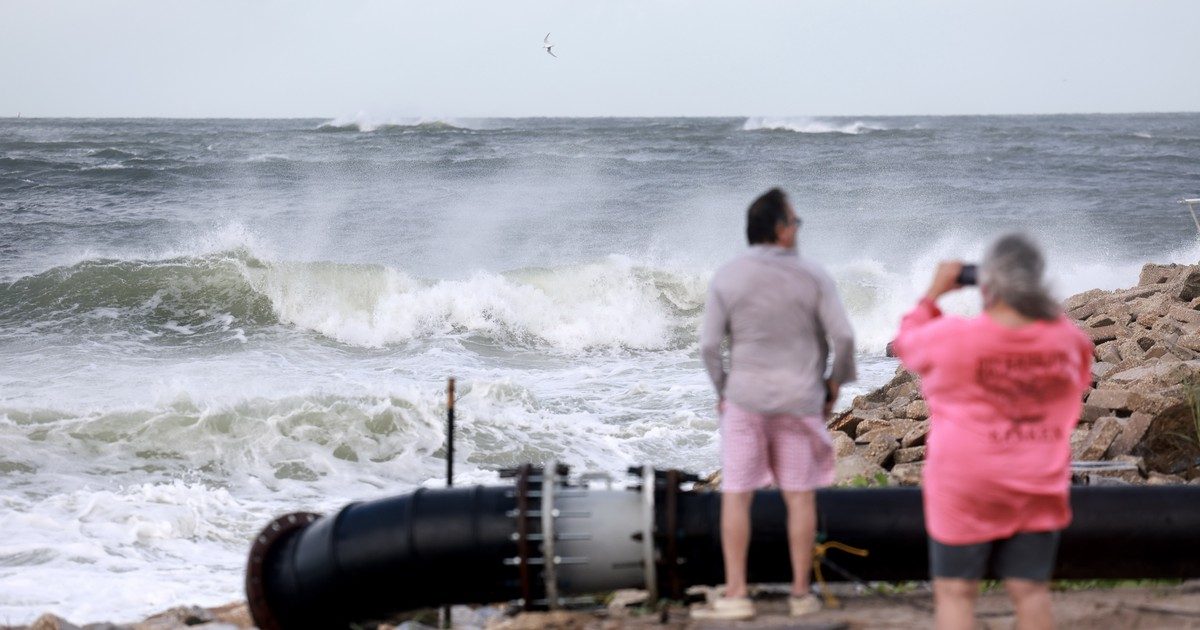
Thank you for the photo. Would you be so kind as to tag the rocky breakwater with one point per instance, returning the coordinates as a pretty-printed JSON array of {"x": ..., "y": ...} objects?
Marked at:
[{"x": 1138, "y": 423}]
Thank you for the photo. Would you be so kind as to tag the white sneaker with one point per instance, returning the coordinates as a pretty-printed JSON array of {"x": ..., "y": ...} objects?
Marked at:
[
  {"x": 725, "y": 609},
  {"x": 801, "y": 605}
]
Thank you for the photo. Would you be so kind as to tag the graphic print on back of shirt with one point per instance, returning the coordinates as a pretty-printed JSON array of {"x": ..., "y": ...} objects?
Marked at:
[{"x": 1019, "y": 385}]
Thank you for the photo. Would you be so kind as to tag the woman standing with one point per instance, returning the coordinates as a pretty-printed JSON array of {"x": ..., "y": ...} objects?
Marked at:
[{"x": 1004, "y": 392}]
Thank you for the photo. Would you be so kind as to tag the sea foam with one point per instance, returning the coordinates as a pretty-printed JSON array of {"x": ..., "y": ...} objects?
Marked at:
[{"x": 809, "y": 125}]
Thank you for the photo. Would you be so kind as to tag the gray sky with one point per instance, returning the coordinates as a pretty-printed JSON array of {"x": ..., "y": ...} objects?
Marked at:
[{"x": 389, "y": 59}]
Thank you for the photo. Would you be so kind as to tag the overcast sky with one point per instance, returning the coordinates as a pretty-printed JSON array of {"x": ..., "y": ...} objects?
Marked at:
[{"x": 388, "y": 59}]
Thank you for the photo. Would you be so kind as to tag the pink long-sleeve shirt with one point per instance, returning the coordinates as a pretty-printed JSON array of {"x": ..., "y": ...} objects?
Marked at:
[{"x": 1002, "y": 404}]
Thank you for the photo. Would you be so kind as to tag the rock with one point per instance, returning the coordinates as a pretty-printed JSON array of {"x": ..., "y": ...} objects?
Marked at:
[
  {"x": 843, "y": 444},
  {"x": 1100, "y": 369},
  {"x": 1191, "y": 342},
  {"x": 1159, "y": 274},
  {"x": 1108, "y": 353},
  {"x": 1133, "y": 429},
  {"x": 558, "y": 619},
  {"x": 848, "y": 421},
  {"x": 916, "y": 435},
  {"x": 1103, "y": 433},
  {"x": 626, "y": 597},
  {"x": 1147, "y": 320},
  {"x": 1083, "y": 312},
  {"x": 179, "y": 617},
  {"x": 1166, "y": 327},
  {"x": 52, "y": 622},
  {"x": 1104, "y": 333},
  {"x": 1091, "y": 413},
  {"x": 1191, "y": 286},
  {"x": 236, "y": 614},
  {"x": 889, "y": 350},
  {"x": 1130, "y": 401},
  {"x": 1159, "y": 479},
  {"x": 1080, "y": 299},
  {"x": 1155, "y": 305},
  {"x": 1169, "y": 444},
  {"x": 1129, "y": 295},
  {"x": 845, "y": 422},
  {"x": 917, "y": 410},
  {"x": 909, "y": 455},
  {"x": 908, "y": 474},
  {"x": 847, "y": 469},
  {"x": 1109, "y": 398},
  {"x": 1079, "y": 436},
  {"x": 898, "y": 405},
  {"x": 1161, "y": 373},
  {"x": 872, "y": 424},
  {"x": 1157, "y": 352},
  {"x": 710, "y": 483},
  {"x": 1186, "y": 354},
  {"x": 1100, "y": 321},
  {"x": 1184, "y": 314},
  {"x": 910, "y": 390},
  {"x": 1155, "y": 404},
  {"x": 1131, "y": 351},
  {"x": 893, "y": 433},
  {"x": 879, "y": 450}
]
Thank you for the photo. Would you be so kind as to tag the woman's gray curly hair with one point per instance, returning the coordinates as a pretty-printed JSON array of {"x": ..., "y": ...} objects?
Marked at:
[{"x": 1012, "y": 272}]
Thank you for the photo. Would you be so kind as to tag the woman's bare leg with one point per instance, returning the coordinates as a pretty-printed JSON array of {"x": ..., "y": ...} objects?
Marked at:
[{"x": 954, "y": 603}]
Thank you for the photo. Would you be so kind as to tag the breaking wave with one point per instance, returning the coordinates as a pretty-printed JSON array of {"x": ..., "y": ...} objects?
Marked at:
[
  {"x": 809, "y": 125},
  {"x": 613, "y": 303},
  {"x": 365, "y": 124}
]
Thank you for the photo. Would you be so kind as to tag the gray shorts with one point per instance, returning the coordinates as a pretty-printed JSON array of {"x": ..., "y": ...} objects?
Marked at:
[{"x": 1026, "y": 556}]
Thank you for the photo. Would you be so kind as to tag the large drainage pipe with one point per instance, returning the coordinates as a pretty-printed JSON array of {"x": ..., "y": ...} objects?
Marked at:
[{"x": 547, "y": 542}]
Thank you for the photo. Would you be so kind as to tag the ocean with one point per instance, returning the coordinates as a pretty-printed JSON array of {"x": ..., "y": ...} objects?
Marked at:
[{"x": 208, "y": 323}]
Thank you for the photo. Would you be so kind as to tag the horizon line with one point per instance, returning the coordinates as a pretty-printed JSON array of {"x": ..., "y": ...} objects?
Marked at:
[{"x": 349, "y": 120}]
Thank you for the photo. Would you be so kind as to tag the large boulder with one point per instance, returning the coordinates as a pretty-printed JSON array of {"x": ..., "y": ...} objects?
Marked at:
[
  {"x": 854, "y": 468},
  {"x": 880, "y": 449}
]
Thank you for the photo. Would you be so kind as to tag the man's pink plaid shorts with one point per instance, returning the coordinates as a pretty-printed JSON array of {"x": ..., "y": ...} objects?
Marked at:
[{"x": 793, "y": 452}]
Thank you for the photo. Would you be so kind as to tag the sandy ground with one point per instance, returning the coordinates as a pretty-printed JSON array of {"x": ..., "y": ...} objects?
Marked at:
[{"x": 1165, "y": 608}]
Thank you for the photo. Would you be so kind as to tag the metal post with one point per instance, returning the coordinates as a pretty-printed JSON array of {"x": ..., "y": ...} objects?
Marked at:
[
  {"x": 450, "y": 433},
  {"x": 649, "y": 560},
  {"x": 447, "y": 622},
  {"x": 549, "y": 554}
]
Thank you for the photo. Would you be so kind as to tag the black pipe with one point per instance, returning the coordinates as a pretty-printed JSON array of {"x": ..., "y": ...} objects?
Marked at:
[
  {"x": 1116, "y": 533},
  {"x": 887, "y": 522},
  {"x": 437, "y": 547},
  {"x": 374, "y": 559}
]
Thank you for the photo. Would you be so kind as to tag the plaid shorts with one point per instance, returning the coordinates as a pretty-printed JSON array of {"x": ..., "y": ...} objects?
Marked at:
[{"x": 792, "y": 452}]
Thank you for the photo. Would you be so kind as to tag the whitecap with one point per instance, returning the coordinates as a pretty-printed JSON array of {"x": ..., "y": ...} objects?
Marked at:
[{"x": 809, "y": 125}]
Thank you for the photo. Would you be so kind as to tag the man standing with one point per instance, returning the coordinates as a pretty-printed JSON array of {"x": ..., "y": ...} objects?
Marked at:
[{"x": 781, "y": 314}]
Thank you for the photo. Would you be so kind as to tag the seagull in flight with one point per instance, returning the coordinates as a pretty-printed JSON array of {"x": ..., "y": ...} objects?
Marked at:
[{"x": 548, "y": 46}]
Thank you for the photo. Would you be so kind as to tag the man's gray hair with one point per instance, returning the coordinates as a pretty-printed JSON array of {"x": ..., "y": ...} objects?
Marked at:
[{"x": 1012, "y": 272}]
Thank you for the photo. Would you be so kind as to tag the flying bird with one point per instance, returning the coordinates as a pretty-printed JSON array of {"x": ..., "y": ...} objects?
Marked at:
[{"x": 548, "y": 46}]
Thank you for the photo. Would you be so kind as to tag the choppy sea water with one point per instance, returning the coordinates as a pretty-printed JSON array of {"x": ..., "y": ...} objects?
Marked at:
[{"x": 206, "y": 323}]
